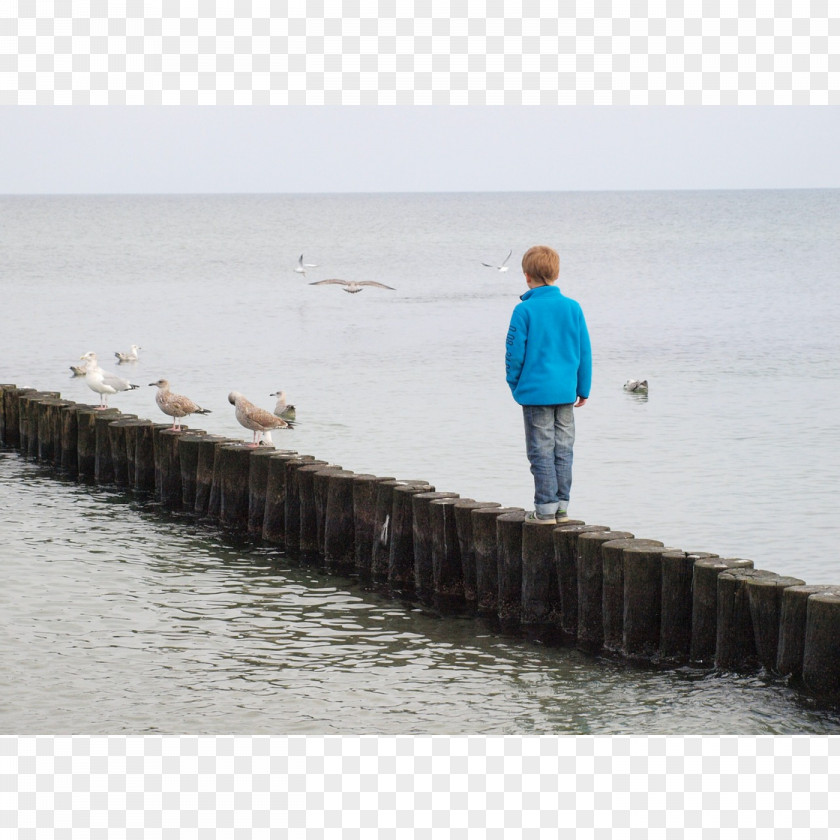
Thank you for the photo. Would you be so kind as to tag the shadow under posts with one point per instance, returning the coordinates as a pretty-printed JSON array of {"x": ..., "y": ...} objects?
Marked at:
[{"x": 604, "y": 591}]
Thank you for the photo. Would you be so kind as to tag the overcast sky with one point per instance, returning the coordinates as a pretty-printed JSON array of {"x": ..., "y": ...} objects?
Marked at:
[{"x": 215, "y": 149}]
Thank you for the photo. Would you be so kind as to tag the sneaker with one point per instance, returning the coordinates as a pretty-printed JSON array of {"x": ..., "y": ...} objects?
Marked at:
[
  {"x": 533, "y": 516},
  {"x": 561, "y": 516}
]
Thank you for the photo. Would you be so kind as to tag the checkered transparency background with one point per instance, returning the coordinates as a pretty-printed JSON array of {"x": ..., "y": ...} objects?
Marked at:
[
  {"x": 469, "y": 787},
  {"x": 442, "y": 52}
]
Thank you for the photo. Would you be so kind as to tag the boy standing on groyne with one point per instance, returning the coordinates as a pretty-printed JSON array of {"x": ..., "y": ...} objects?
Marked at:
[{"x": 549, "y": 371}]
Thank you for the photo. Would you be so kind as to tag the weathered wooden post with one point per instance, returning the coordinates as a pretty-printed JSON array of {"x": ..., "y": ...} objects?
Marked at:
[
  {"x": 765, "y": 602},
  {"x": 382, "y": 526},
  {"x": 207, "y": 491},
  {"x": 339, "y": 523},
  {"x": 677, "y": 603},
  {"x": 119, "y": 452},
  {"x": 87, "y": 438},
  {"x": 540, "y": 589},
  {"x": 735, "y": 647},
  {"x": 320, "y": 492},
  {"x": 704, "y": 607},
  {"x": 463, "y": 509},
  {"x": 421, "y": 536},
  {"x": 274, "y": 518},
  {"x": 103, "y": 467},
  {"x": 612, "y": 604},
  {"x": 590, "y": 594},
  {"x": 292, "y": 502},
  {"x": 29, "y": 413},
  {"x": 24, "y": 402},
  {"x": 364, "y": 519},
  {"x": 509, "y": 570},
  {"x": 308, "y": 546},
  {"x": 165, "y": 442},
  {"x": 11, "y": 414},
  {"x": 49, "y": 429},
  {"x": 43, "y": 441},
  {"x": 792, "y": 627},
  {"x": 642, "y": 601},
  {"x": 50, "y": 436},
  {"x": 565, "y": 538},
  {"x": 69, "y": 460},
  {"x": 485, "y": 541},
  {"x": 188, "y": 447},
  {"x": 3, "y": 388},
  {"x": 821, "y": 663},
  {"x": 447, "y": 571},
  {"x": 233, "y": 461},
  {"x": 142, "y": 435},
  {"x": 257, "y": 488},
  {"x": 401, "y": 549}
]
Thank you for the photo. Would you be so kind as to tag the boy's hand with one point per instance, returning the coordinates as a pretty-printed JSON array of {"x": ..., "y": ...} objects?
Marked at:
[{"x": 579, "y": 402}]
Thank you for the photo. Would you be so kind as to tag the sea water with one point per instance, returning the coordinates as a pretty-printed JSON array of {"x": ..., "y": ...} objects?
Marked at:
[{"x": 118, "y": 620}]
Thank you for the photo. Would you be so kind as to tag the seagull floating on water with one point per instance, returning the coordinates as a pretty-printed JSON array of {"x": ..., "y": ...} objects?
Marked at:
[
  {"x": 175, "y": 405},
  {"x": 282, "y": 408},
  {"x": 131, "y": 356},
  {"x": 638, "y": 386},
  {"x": 79, "y": 370},
  {"x": 255, "y": 418},
  {"x": 352, "y": 286},
  {"x": 504, "y": 266},
  {"x": 302, "y": 266},
  {"x": 101, "y": 382}
]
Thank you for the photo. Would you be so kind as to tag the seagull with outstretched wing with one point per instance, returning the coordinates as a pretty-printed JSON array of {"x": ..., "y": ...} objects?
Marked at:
[
  {"x": 504, "y": 266},
  {"x": 352, "y": 286}
]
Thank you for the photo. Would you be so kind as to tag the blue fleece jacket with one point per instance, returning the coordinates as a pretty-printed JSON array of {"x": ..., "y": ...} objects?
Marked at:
[{"x": 549, "y": 358}]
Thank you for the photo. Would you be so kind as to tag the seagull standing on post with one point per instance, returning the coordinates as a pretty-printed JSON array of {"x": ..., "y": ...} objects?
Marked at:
[
  {"x": 252, "y": 417},
  {"x": 101, "y": 382},
  {"x": 175, "y": 405}
]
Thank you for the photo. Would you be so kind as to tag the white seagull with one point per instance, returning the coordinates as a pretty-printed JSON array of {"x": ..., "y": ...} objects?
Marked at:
[
  {"x": 637, "y": 386},
  {"x": 252, "y": 417},
  {"x": 302, "y": 266},
  {"x": 101, "y": 382},
  {"x": 175, "y": 405},
  {"x": 131, "y": 356},
  {"x": 281, "y": 407},
  {"x": 352, "y": 286},
  {"x": 503, "y": 266}
]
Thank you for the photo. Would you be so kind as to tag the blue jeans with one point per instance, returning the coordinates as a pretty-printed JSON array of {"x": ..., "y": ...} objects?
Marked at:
[{"x": 549, "y": 440}]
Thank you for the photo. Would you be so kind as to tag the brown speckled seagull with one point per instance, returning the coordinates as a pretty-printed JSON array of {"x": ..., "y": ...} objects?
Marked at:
[
  {"x": 175, "y": 405},
  {"x": 252, "y": 417}
]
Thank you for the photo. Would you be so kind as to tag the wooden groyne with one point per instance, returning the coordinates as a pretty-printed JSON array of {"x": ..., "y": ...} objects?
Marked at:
[{"x": 606, "y": 592}]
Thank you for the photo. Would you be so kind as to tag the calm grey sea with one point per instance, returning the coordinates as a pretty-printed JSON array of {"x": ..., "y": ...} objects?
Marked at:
[{"x": 115, "y": 620}]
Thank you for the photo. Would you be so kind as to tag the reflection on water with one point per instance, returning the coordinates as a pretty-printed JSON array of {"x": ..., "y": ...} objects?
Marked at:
[{"x": 119, "y": 619}]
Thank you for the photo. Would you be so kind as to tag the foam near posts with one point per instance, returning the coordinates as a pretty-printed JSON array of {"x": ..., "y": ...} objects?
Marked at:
[{"x": 604, "y": 591}]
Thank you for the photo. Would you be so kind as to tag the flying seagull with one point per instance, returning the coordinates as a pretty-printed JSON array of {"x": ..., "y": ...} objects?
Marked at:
[
  {"x": 101, "y": 382},
  {"x": 131, "y": 356},
  {"x": 175, "y": 405},
  {"x": 252, "y": 417},
  {"x": 302, "y": 266},
  {"x": 352, "y": 286},
  {"x": 503, "y": 266}
]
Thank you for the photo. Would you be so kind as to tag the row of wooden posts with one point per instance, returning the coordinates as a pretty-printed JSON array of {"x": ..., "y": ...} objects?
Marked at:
[{"x": 605, "y": 591}]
